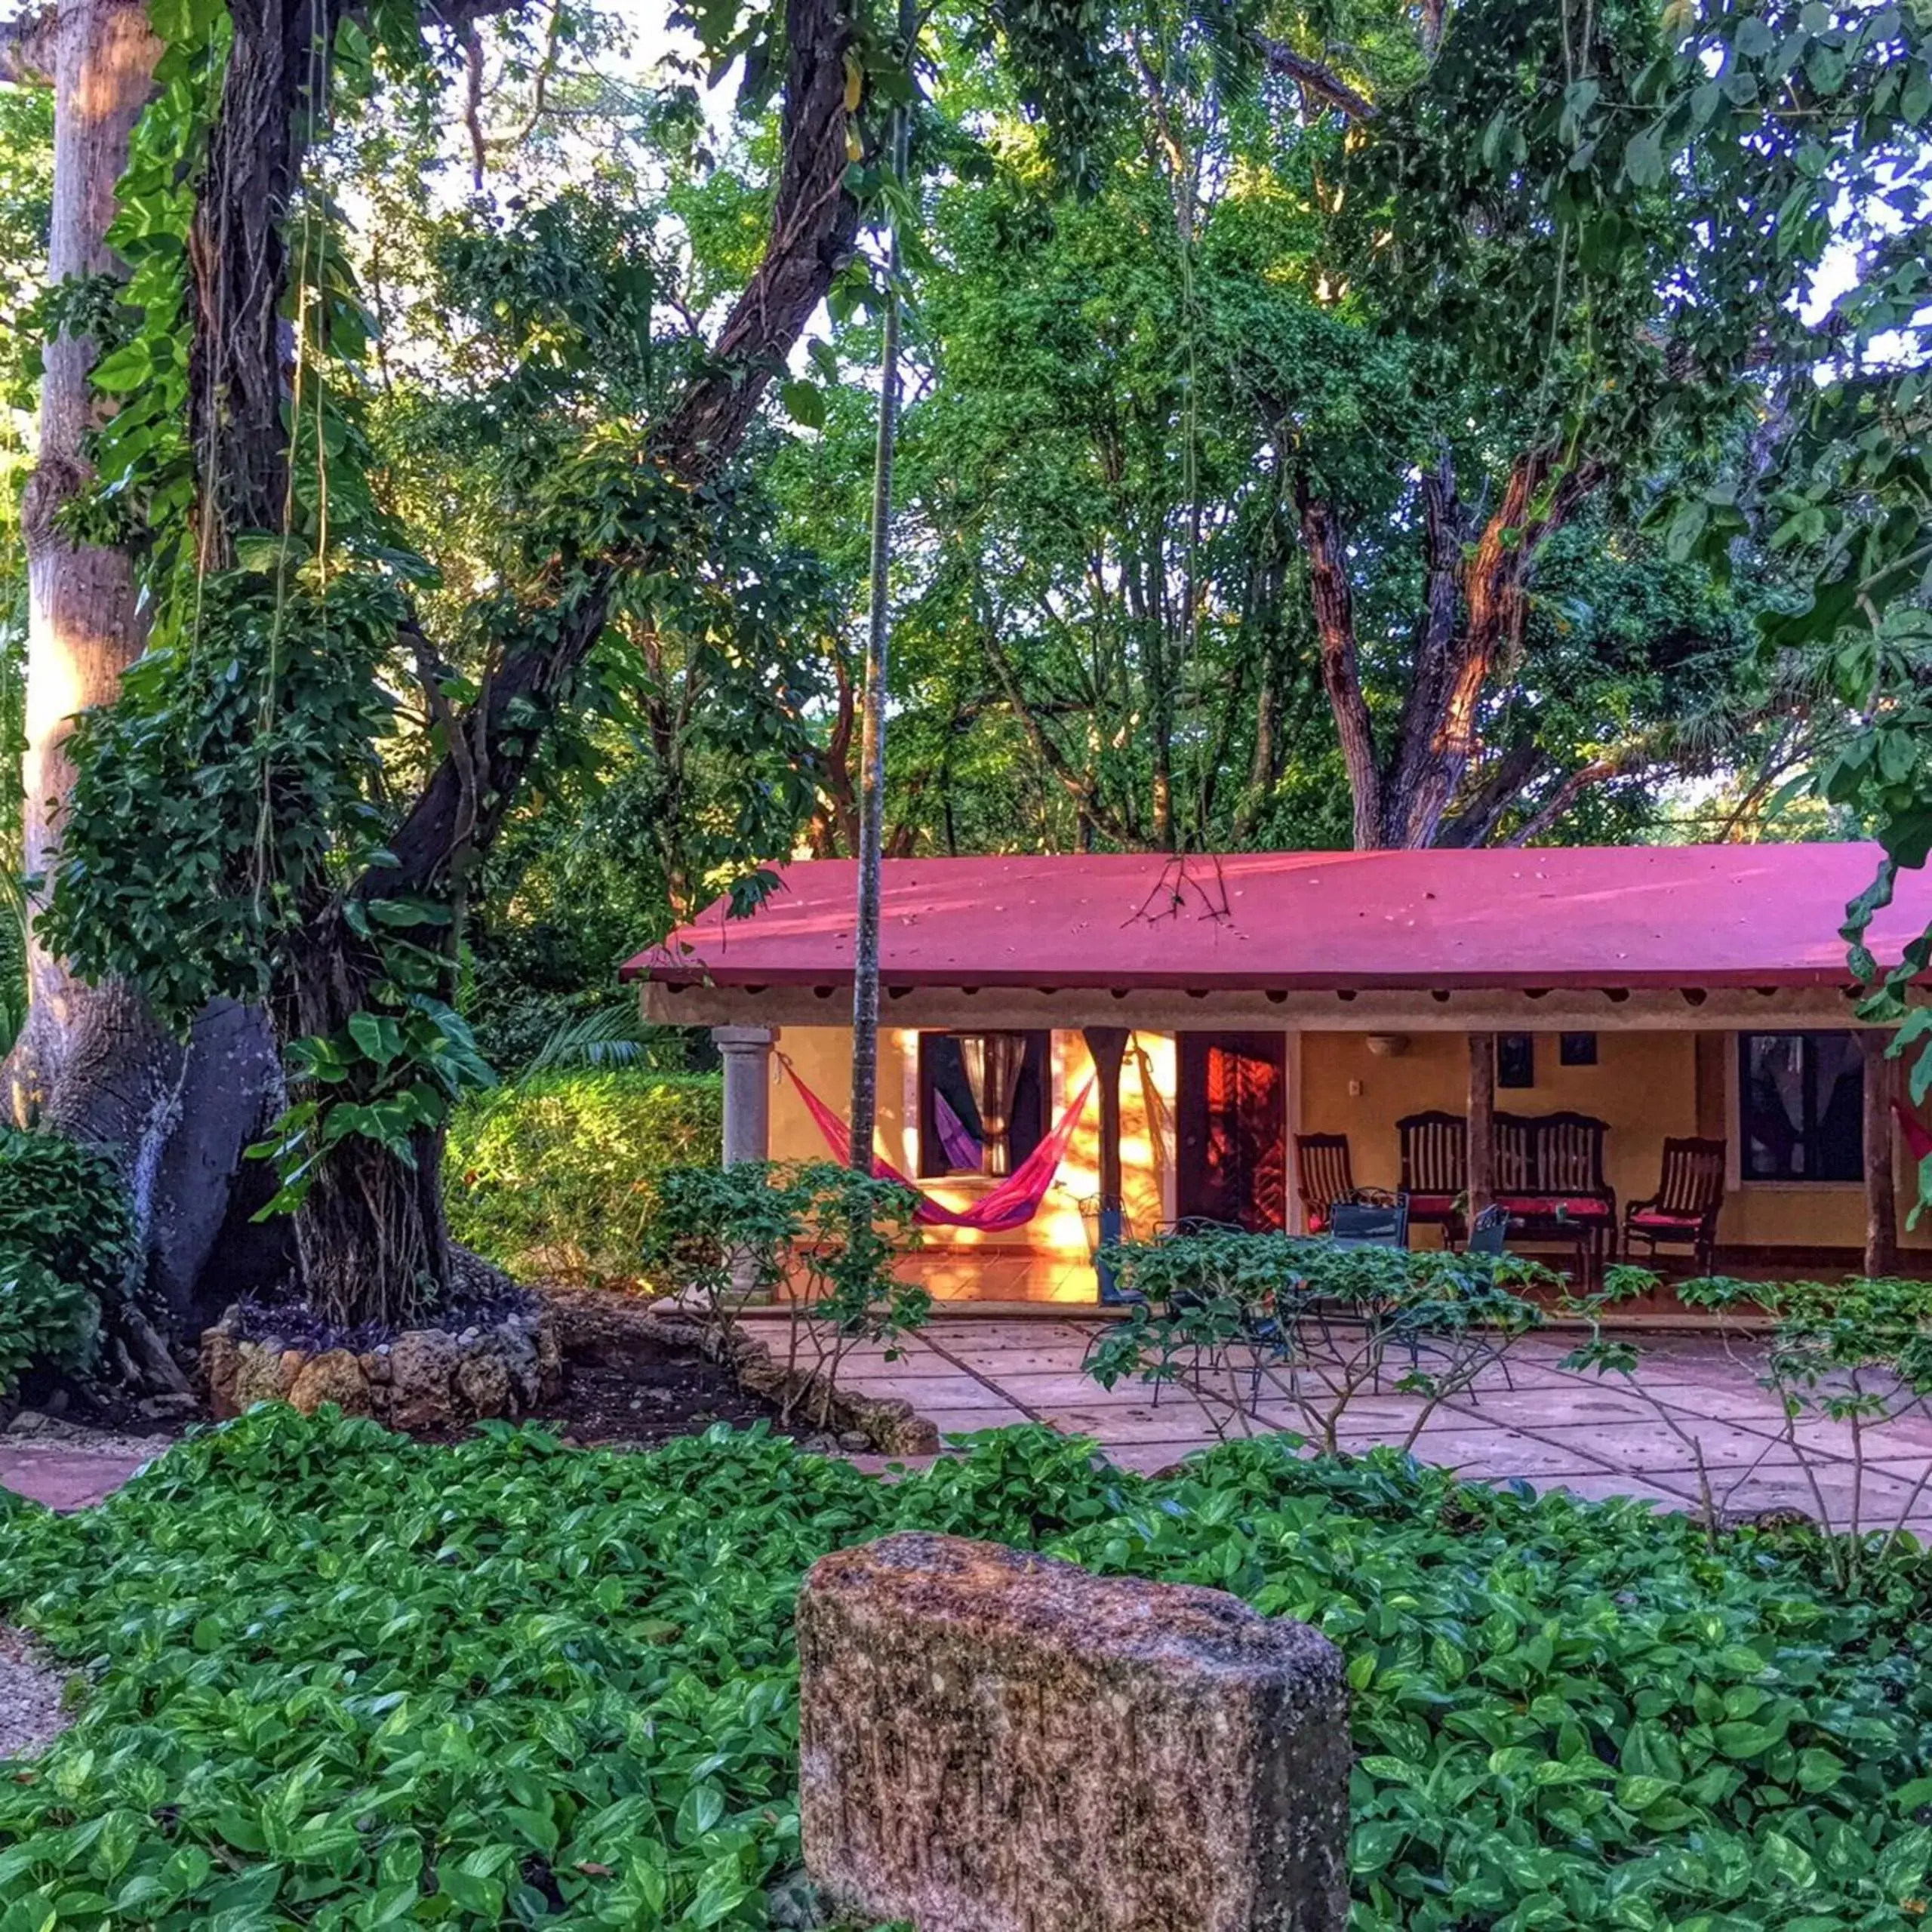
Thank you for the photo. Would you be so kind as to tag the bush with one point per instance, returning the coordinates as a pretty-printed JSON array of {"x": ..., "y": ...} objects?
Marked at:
[
  {"x": 339, "y": 1678},
  {"x": 66, "y": 1245},
  {"x": 554, "y": 1177},
  {"x": 824, "y": 1237}
]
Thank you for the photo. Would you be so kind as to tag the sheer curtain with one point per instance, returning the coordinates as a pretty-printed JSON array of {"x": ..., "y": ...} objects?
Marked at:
[{"x": 993, "y": 1061}]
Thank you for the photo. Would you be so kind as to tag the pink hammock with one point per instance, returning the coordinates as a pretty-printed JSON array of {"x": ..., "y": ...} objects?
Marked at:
[{"x": 1016, "y": 1199}]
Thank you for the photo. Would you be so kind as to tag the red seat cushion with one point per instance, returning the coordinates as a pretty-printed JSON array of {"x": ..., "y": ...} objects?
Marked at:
[
  {"x": 1666, "y": 1224},
  {"x": 1550, "y": 1206},
  {"x": 1431, "y": 1206}
]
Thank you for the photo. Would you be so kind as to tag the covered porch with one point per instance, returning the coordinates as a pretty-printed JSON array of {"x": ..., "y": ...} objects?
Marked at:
[{"x": 1615, "y": 1026}]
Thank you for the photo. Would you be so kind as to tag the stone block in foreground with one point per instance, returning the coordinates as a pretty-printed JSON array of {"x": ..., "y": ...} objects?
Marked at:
[{"x": 996, "y": 1742}]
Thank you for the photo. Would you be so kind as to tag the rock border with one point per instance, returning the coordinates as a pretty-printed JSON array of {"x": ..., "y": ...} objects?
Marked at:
[
  {"x": 600, "y": 1323},
  {"x": 426, "y": 1378}
]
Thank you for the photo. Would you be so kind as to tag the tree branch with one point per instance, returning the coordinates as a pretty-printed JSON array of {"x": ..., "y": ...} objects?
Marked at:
[
  {"x": 1341, "y": 669},
  {"x": 26, "y": 49},
  {"x": 813, "y": 223},
  {"x": 1316, "y": 82}
]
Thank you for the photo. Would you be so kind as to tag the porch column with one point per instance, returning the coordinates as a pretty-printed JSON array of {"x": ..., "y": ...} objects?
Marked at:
[
  {"x": 1108, "y": 1047},
  {"x": 1881, "y": 1222},
  {"x": 747, "y": 1053},
  {"x": 1482, "y": 1170}
]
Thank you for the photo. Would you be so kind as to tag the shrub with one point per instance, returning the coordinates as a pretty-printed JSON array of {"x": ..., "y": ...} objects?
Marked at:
[
  {"x": 823, "y": 1237},
  {"x": 339, "y": 1678},
  {"x": 66, "y": 1245},
  {"x": 1311, "y": 1325},
  {"x": 555, "y": 1176}
]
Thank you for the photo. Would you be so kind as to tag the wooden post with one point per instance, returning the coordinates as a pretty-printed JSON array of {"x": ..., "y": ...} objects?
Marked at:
[
  {"x": 1108, "y": 1046},
  {"x": 1881, "y": 1223},
  {"x": 1482, "y": 1172}
]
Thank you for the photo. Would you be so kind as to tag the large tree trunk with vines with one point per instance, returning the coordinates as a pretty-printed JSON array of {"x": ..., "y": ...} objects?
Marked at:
[
  {"x": 370, "y": 1233},
  {"x": 90, "y": 1063}
]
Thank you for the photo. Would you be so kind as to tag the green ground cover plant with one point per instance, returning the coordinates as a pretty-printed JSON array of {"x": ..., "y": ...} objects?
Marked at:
[
  {"x": 553, "y": 1177},
  {"x": 66, "y": 1243},
  {"x": 340, "y": 1679}
]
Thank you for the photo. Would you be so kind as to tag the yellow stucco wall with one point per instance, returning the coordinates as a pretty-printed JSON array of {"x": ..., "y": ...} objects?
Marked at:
[{"x": 1647, "y": 1085}]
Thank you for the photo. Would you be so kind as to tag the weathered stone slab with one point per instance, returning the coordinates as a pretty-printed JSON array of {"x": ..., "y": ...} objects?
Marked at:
[{"x": 996, "y": 1742}]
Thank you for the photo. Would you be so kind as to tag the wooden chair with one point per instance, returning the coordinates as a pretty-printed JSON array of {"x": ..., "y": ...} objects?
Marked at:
[
  {"x": 1435, "y": 1169},
  {"x": 1327, "y": 1177},
  {"x": 1683, "y": 1213}
]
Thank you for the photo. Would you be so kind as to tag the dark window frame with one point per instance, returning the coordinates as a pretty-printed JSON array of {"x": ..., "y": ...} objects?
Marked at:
[
  {"x": 1032, "y": 1104},
  {"x": 1827, "y": 1161},
  {"x": 1516, "y": 1062}
]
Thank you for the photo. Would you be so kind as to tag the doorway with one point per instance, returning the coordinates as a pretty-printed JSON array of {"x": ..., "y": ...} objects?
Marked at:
[{"x": 1231, "y": 1121}]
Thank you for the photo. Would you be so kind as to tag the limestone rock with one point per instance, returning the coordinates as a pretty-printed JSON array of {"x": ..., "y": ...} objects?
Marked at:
[
  {"x": 483, "y": 1380},
  {"x": 221, "y": 1365},
  {"x": 264, "y": 1374},
  {"x": 334, "y": 1376},
  {"x": 996, "y": 1742},
  {"x": 422, "y": 1365},
  {"x": 550, "y": 1372}
]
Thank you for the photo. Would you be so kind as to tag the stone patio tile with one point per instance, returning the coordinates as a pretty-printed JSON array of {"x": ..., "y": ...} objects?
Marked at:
[
  {"x": 1754, "y": 1407},
  {"x": 926, "y": 1392},
  {"x": 1063, "y": 1390},
  {"x": 1176, "y": 1420},
  {"x": 1652, "y": 1448},
  {"x": 1884, "y": 1500},
  {"x": 1491, "y": 1453},
  {"x": 1556, "y": 1405},
  {"x": 921, "y": 1363},
  {"x": 958, "y": 1422},
  {"x": 1382, "y": 1417},
  {"x": 1053, "y": 1358},
  {"x": 65, "y": 1479},
  {"x": 1007, "y": 1337}
]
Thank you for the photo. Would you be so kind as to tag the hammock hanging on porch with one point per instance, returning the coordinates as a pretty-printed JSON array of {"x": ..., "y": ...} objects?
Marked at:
[{"x": 1016, "y": 1199}]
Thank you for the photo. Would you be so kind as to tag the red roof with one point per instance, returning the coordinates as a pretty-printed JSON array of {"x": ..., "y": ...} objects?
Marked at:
[{"x": 1699, "y": 915}]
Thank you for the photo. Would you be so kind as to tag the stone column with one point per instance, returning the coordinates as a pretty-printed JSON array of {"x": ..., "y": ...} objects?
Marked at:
[
  {"x": 747, "y": 1052},
  {"x": 991, "y": 1741}
]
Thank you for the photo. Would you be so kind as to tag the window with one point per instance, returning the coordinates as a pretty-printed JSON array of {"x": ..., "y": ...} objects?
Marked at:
[
  {"x": 1515, "y": 1059},
  {"x": 1577, "y": 1050},
  {"x": 982, "y": 1101},
  {"x": 1800, "y": 1106}
]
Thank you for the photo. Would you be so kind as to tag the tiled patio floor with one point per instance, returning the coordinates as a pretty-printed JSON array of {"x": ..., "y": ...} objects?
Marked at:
[{"x": 1594, "y": 1436}]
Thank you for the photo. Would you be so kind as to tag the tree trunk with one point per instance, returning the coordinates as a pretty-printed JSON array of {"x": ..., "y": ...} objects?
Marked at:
[
  {"x": 90, "y": 1063},
  {"x": 370, "y": 1234},
  {"x": 1881, "y": 1212}
]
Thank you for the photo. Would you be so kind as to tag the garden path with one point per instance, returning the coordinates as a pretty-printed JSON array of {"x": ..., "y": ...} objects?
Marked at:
[{"x": 1592, "y": 1436}]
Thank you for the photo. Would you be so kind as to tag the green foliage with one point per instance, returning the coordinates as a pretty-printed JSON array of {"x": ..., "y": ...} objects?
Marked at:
[
  {"x": 214, "y": 804},
  {"x": 346, "y": 1679},
  {"x": 824, "y": 1237},
  {"x": 66, "y": 1247},
  {"x": 1309, "y": 1326},
  {"x": 554, "y": 1176},
  {"x": 1847, "y": 1359}
]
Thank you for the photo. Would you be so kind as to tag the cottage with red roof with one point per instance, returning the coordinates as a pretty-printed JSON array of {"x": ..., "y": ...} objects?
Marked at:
[{"x": 1643, "y": 1049}]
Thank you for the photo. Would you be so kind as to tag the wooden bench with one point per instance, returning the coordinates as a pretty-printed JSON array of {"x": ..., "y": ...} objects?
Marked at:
[{"x": 1549, "y": 1177}]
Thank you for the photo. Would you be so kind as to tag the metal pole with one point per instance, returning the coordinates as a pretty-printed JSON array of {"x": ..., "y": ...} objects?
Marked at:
[{"x": 872, "y": 739}]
